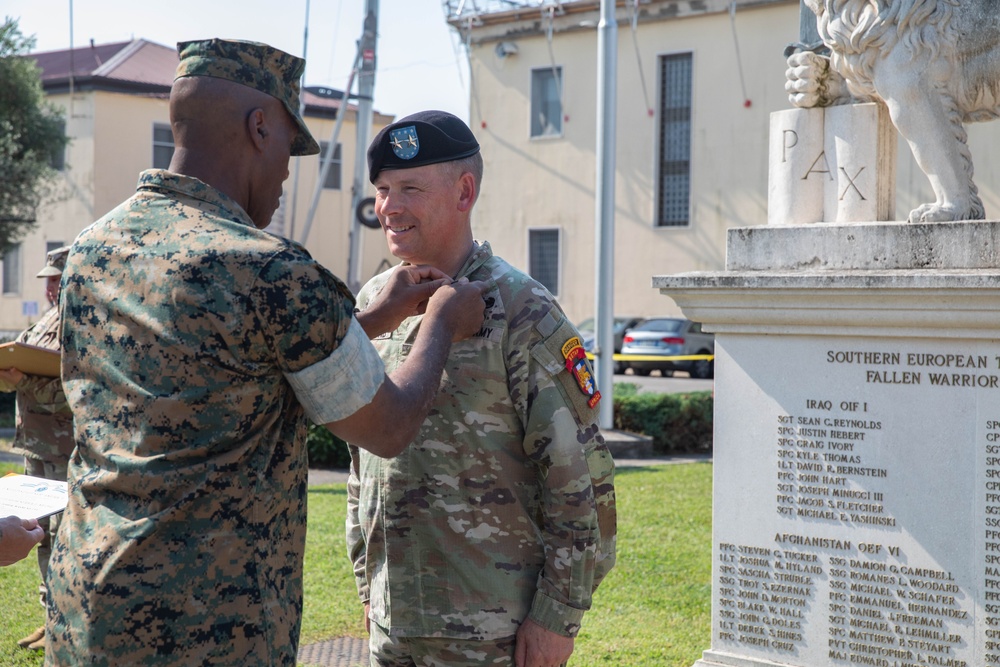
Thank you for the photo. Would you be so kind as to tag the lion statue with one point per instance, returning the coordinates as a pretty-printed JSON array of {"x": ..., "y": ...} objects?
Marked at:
[{"x": 934, "y": 63}]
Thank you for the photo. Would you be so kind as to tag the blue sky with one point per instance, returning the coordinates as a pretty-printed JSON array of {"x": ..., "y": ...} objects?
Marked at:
[{"x": 420, "y": 63}]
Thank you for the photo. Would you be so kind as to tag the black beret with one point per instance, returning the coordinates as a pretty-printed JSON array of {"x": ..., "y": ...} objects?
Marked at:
[{"x": 426, "y": 137}]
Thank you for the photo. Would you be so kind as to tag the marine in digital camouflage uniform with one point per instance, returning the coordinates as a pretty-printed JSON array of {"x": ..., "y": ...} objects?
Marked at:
[
  {"x": 44, "y": 422},
  {"x": 503, "y": 508},
  {"x": 197, "y": 348}
]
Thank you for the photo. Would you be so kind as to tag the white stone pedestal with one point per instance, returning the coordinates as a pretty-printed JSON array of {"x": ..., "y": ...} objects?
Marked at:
[{"x": 856, "y": 516}]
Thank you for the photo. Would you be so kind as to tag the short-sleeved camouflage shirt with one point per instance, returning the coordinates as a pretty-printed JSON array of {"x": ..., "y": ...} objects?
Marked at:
[
  {"x": 183, "y": 540},
  {"x": 503, "y": 508}
]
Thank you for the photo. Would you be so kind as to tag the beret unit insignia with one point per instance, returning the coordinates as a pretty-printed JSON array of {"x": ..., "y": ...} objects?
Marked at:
[{"x": 404, "y": 141}]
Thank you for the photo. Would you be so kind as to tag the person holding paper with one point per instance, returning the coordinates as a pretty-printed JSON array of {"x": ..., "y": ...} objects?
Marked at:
[
  {"x": 197, "y": 349},
  {"x": 17, "y": 537},
  {"x": 44, "y": 425}
]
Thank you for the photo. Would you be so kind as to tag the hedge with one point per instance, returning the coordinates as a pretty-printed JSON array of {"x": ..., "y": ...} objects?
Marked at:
[
  {"x": 326, "y": 450},
  {"x": 677, "y": 422}
]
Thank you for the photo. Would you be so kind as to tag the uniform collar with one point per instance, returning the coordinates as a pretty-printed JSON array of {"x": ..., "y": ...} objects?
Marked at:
[
  {"x": 161, "y": 180},
  {"x": 481, "y": 253}
]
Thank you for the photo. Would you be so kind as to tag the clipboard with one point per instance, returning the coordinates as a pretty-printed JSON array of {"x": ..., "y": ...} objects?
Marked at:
[
  {"x": 30, "y": 359},
  {"x": 28, "y": 497}
]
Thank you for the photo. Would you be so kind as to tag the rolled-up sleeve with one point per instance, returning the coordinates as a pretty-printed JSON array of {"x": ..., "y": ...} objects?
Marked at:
[{"x": 344, "y": 382}]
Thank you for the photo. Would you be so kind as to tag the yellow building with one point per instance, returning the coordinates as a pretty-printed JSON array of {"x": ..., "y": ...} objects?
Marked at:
[
  {"x": 115, "y": 102},
  {"x": 696, "y": 84}
]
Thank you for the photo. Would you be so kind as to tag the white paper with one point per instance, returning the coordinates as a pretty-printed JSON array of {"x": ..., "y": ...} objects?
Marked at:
[{"x": 28, "y": 497}]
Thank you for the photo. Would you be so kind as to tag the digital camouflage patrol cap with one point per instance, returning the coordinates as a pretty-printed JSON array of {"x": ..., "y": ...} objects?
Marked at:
[
  {"x": 426, "y": 137},
  {"x": 255, "y": 65},
  {"x": 55, "y": 262}
]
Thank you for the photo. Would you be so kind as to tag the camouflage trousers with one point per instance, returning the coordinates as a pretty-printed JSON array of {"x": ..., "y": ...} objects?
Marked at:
[
  {"x": 49, "y": 469},
  {"x": 388, "y": 651}
]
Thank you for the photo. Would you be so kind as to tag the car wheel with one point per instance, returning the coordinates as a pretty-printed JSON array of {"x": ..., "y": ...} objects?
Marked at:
[
  {"x": 666, "y": 374},
  {"x": 620, "y": 367},
  {"x": 703, "y": 369},
  {"x": 641, "y": 371}
]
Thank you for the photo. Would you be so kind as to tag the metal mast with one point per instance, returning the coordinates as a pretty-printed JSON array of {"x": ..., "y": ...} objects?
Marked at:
[
  {"x": 366, "y": 92},
  {"x": 607, "y": 64}
]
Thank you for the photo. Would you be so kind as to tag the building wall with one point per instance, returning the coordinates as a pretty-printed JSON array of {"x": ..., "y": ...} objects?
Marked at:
[
  {"x": 67, "y": 207},
  {"x": 123, "y": 145},
  {"x": 112, "y": 142},
  {"x": 329, "y": 233},
  {"x": 551, "y": 182}
]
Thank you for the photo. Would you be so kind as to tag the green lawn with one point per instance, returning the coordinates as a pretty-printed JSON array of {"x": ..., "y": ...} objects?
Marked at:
[{"x": 653, "y": 610}]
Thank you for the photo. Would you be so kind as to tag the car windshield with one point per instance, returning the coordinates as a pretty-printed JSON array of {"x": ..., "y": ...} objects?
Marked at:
[{"x": 659, "y": 325}]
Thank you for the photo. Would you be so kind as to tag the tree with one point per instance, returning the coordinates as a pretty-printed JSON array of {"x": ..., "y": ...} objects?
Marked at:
[{"x": 31, "y": 133}]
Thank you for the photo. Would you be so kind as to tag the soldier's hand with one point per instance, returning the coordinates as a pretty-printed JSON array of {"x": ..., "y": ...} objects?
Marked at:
[
  {"x": 368, "y": 621},
  {"x": 404, "y": 295},
  {"x": 534, "y": 646},
  {"x": 409, "y": 288},
  {"x": 17, "y": 537},
  {"x": 461, "y": 306},
  {"x": 9, "y": 379}
]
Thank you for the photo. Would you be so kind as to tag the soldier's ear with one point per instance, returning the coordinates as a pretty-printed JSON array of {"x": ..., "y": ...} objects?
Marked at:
[
  {"x": 467, "y": 191},
  {"x": 256, "y": 126}
]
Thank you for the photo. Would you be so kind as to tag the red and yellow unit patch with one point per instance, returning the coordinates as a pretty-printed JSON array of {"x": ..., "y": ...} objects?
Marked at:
[{"x": 578, "y": 364}]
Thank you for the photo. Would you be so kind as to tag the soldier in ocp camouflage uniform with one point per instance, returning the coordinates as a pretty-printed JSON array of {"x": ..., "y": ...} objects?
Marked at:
[
  {"x": 196, "y": 350},
  {"x": 486, "y": 538},
  {"x": 44, "y": 426}
]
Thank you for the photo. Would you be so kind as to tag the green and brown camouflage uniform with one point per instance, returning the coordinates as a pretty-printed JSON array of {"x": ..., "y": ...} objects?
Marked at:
[
  {"x": 503, "y": 507},
  {"x": 194, "y": 348}
]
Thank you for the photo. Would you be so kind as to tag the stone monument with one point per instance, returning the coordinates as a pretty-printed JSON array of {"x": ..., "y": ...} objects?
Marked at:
[{"x": 856, "y": 514}]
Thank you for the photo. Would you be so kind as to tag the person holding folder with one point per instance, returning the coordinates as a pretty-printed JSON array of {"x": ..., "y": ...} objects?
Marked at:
[{"x": 44, "y": 433}]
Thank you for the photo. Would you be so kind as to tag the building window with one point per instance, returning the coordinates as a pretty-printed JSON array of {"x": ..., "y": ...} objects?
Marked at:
[
  {"x": 332, "y": 181},
  {"x": 543, "y": 257},
  {"x": 58, "y": 158},
  {"x": 673, "y": 203},
  {"x": 12, "y": 270},
  {"x": 163, "y": 146},
  {"x": 546, "y": 102}
]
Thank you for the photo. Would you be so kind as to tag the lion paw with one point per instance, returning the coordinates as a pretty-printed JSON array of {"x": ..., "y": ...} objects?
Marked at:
[{"x": 945, "y": 213}]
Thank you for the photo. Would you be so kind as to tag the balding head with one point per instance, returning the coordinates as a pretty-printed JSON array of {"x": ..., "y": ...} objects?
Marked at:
[
  {"x": 234, "y": 138},
  {"x": 208, "y": 113},
  {"x": 234, "y": 110}
]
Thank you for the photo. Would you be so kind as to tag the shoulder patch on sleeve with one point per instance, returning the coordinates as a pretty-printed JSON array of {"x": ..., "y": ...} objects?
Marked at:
[
  {"x": 579, "y": 366},
  {"x": 562, "y": 355}
]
